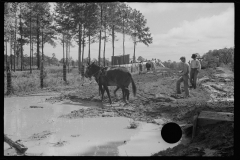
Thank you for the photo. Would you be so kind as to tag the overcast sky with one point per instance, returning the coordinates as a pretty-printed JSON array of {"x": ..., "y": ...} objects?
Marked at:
[{"x": 178, "y": 29}]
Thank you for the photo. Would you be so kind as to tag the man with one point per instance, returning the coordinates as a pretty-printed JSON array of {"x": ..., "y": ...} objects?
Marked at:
[
  {"x": 153, "y": 66},
  {"x": 148, "y": 65},
  {"x": 195, "y": 68},
  {"x": 184, "y": 77},
  {"x": 140, "y": 67}
]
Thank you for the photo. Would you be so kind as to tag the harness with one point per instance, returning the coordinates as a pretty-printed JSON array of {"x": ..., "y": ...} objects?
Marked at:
[{"x": 97, "y": 74}]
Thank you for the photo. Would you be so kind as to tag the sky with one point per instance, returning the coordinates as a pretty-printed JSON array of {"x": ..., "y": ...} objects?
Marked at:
[{"x": 178, "y": 29}]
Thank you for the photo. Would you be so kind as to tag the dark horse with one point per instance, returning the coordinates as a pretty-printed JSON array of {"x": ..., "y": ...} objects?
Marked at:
[
  {"x": 112, "y": 76},
  {"x": 96, "y": 77}
]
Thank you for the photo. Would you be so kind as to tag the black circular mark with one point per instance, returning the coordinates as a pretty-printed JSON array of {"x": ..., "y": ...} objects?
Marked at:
[{"x": 171, "y": 132}]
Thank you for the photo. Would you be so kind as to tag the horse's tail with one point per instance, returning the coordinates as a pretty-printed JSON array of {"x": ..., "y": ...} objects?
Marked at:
[{"x": 134, "y": 88}]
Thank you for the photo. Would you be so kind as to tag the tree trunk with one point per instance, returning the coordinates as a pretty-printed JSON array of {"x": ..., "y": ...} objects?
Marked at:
[
  {"x": 134, "y": 58},
  {"x": 63, "y": 51},
  {"x": 6, "y": 55},
  {"x": 89, "y": 58},
  {"x": 99, "y": 55},
  {"x": 21, "y": 40},
  {"x": 42, "y": 47},
  {"x": 41, "y": 72},
  {"x": 17, "y": 60},
  {"x": 123, "y": 42},
  {"x": 15, "y": 40},
  {"x": 30, "y": 39},
  {"x": 83, "y": 42},
  {"x": 104, "y": 48},
  {"x": 104, "y": 41},
  {"x": 38, "y": 55},
  {"x": 113, "y": 43},
  {"x": 79, "y": 48},
  {"x": 11, "y": 50},
  {"x": 69, "y": 54},
  {"x": 32, "y": 54},
  {"x": 67, "y": 50}
]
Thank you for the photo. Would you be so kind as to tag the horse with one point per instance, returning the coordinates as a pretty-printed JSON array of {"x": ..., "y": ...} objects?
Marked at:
[
  {"x": 103, "y": 73},
  {"x": 112, "y": 76},
  {"x": 96, "y": 77}
]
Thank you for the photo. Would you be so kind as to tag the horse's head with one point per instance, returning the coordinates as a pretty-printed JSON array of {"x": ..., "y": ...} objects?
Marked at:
[{"x": 91, "y": 70}]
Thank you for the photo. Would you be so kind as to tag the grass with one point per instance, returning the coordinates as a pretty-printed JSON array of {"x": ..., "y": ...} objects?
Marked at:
[{"x": 24, "y": 83}]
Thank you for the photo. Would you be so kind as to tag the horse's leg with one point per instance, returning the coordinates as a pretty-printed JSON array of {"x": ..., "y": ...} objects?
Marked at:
[
  {"x": 106, "y": 88},
  {"x": 99, "y": 90},
  {"x": 126, "y": 90},
  {"x": 123, "y": 93},
  {"x": 127, "y": 93},
  {"x": 98, "y": 82},
  {"x": 116, "y": 91},
  {"x": 102, "y": 90}
]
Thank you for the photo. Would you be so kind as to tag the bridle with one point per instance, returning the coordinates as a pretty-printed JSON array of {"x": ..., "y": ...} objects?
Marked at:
[{"x": 97, "y": 72}]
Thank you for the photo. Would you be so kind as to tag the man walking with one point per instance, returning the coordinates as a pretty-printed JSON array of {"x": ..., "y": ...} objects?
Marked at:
[
  {"x": 153, "y": 67},
  {"x": 140, "y": 67},
  {"x": 148, "y": 65},
  {"x": 195, "y": 68},
  {"x": 184, "y": 77}
]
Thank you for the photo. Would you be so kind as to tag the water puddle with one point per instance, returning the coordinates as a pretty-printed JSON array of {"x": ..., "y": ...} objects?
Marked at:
[
  {"x": 37, "y": 124},
  {"x": 147, "y": 142}
]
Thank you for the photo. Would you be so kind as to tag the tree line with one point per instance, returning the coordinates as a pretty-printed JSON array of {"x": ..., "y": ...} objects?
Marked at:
[
  {"x": 211, "y": 59},
  {"x": 81, "y": 23}
]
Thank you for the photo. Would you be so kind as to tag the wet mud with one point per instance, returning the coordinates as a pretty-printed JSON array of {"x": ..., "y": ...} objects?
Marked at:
[{"x": 156, "y": 103}]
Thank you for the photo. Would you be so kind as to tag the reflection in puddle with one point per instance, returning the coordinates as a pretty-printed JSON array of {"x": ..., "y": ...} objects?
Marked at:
[
  {"x": 110, "y": 149},
  {"x": 145, "y": 142},
  {"x": 148, "y": 141},
  {"x": 102, "y": 136}
]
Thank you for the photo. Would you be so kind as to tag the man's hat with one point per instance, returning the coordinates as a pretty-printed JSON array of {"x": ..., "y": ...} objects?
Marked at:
[
  {"x": 194, "y": 56},
  {"x": 183, "y": 57}
]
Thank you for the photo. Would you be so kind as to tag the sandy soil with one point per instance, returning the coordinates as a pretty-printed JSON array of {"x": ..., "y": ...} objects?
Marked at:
[{"x": 156, "y": 103}]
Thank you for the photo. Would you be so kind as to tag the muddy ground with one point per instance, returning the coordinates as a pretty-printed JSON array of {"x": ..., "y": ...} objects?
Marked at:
[
  {"x": 157, "y": 102},
  {"x": 156, "y": 99}
]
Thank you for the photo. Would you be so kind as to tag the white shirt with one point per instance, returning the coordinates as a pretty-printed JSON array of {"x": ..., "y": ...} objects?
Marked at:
[{"x": 195, "y": 64}]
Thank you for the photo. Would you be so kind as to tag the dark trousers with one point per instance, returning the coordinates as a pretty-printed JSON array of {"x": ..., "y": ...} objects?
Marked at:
[
  {"x": 193, "y": 77},
  {"x": 183, "y": 79}
]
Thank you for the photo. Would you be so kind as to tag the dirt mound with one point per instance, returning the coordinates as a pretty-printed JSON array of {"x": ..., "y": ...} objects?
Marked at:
[
  {"x": 126, "y": 111},
  {"x": 212, "y": 140}
]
